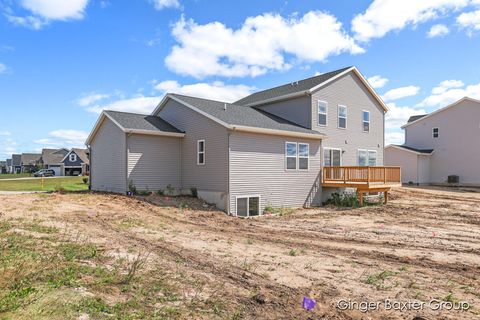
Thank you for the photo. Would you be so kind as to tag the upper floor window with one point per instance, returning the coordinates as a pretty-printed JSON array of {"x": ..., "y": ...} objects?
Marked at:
[
  {"x": 435, "y": 132},
  {"x": 72, "y": 157},
  {"x": 291, "y": 155},
  {"x": 342, "y": 117},
  {"x": 297, "y": 155},
  {"x": 201, "y": 152},
  {"x": 366, "y": 121},
  {"x": 322, "y": 113}
]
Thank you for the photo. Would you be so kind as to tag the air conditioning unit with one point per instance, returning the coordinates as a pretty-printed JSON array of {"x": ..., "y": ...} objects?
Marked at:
[{"x": 453, "y": 179}]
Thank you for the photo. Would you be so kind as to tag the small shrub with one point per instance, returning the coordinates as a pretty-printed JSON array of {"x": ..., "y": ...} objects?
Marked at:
[
  {"x": 144, "y": 193},
  {"x": 269, "y": 209},
  {"x": 160, "y": 192},
  {"x": 131, "y": 187},
  {"x": 170, "y": 190},
  {"x": 85, "y": 180},
  {"x": 194, "y": 192},
  {"x": 293, "y": 252},
  {"x": 343, "y": 200}
]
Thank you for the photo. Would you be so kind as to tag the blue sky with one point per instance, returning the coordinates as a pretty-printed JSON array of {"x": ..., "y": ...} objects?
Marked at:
[{"x": 62, "y": 62}]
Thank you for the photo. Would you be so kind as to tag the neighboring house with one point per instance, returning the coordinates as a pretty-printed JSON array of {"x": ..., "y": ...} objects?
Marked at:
[
  {"x": 9, "y": 166},
  {"x": 265, "y": 150},
  {"x": 3, "y": 167},
  {"x": 16, "y": 163},
  {"x": 76, "y": 162},
  {"x": 441, "y": 144},
  {"x": 52, "y": 159},
  {"x": 30, "y": 162}
]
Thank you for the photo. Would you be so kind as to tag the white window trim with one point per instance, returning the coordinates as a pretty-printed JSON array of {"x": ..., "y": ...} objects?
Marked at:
[
  {"x": 319, "y": 113},
  {"x": 70, "y": 157},
  {"x": 338, "y": 116},
  {"x": 368, "y": 157},
  {"x": 199, "y": 152},
  {"x": 363, "y": 121},
  {"x": 433, "y": 132},
  {"x": 328, "y": 148},
  {"x": 248, "y": 204},
  {"x": 303, "y": 157},
  {"x": 358, "y": 157},
  {"x": 287, "y": 156}
]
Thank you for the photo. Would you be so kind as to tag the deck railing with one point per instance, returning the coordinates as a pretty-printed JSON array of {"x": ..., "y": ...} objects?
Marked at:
[{"x": 367, "y": 175}]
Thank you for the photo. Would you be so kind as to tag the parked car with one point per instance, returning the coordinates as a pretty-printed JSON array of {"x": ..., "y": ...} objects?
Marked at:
[{"x": 44, "y": 173}]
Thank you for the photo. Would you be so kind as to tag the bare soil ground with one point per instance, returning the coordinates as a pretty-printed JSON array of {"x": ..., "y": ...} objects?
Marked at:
[{"x": 191, "y": 261}]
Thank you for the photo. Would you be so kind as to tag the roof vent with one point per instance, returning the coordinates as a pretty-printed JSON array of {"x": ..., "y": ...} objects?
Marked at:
[{"x": 294, "y": 83}]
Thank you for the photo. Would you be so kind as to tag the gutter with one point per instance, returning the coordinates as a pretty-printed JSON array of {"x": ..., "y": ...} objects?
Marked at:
[{"x": 275, "y": 132}]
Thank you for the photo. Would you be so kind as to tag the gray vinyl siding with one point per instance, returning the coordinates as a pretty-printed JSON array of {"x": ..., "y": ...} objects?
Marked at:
[
  {"x": 407, "y": 160},
  {"x": 257, "y": 167},
  {"x": 108, "y": 159},
  {"x": 154, "y": 162},
  {"x": 456, "y": 150},
  {"x": 295, "y": 110},
  {"x": 349, "y": 91},
  {"x": 213, "y": 176}
]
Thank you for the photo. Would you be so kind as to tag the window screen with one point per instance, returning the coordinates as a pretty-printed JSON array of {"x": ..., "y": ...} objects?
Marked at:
[
  {"x": 342, "y": 117},
  {"x": 242, "y": 207},
  {"x": 322, "y": 113},
  {"x": 362, "y": 157},
  {"x": 291, "y": 154}
]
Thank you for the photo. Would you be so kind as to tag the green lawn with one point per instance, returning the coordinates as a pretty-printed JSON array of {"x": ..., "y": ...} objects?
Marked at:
[
  {"x": 50, "y": 184},
  {"x": 13, "y": 176}
]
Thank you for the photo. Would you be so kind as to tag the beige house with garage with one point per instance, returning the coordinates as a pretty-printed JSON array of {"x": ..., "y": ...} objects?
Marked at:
[
  {"x": 442, "y": 147},
  {"x": 268, "y": 149}
]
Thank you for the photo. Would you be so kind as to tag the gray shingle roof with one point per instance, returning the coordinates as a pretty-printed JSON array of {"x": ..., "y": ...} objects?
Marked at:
[
  {"x": 30, "y": 159},
  {"x": 243, "y": 116},
  {"x": 287, "y": 89},
  {"x": 415, "y": 118},
  {"x": 82, "y": 154},
  {"x": 135, "y": 121},
  {"x": 425, "y": 151},
  {"x": 53, "y": 156},
  {"x": 16, "y": 159}
]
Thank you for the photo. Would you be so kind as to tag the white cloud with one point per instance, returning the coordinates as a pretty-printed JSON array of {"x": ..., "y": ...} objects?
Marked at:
[
  {"x": 8, "y": 146},
  {"x": 64, "y": 138},
  {"x": 377, "y": 81},
  {"x": 399, "y": 93},
  {"x": 394, "y": 137},
  {"x": 450, "y": 91},
  {"x": 3, "y": 68},
  {"x": 398, "y": 116},
  {"x": 45, "y": 11},
  {"x": 140, "y": 104},
  {"x": 258, "y": 46},
  {"x": 91, "y": 99},
  {"x": 383, "y": 16},
  {"x": 214, "y": 91},
  {"x": 470, "y": 20},
  {"x": 5, "y": 133},
  {"x": 162, "y": 4},
  {"x": 438, "y": 30}
]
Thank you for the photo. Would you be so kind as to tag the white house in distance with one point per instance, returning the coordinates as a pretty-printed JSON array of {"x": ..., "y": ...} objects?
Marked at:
[{"x": 439, "y": 145}]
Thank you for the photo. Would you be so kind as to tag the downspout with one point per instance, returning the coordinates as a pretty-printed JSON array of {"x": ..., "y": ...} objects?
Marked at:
[
  {"x": 126, "y": 163},
  {"x": 90, "y": 167},
  {"x": 228, "y": 173}
]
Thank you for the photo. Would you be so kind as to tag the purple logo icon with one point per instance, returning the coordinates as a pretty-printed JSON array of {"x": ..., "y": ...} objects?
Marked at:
[{"x": 309, "y": 304}]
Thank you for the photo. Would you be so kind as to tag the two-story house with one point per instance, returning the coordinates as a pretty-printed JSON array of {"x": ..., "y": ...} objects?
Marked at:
[
  {"x": 267, "y": 149},
  {"x": 439, "y": 145}
]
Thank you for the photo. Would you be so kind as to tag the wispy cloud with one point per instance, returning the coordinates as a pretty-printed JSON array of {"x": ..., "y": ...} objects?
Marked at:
[
  {"x": 438, "y": 30},
  {"x": 216, "y": 90},
  {"x": 397, "y": 116},
  {"x": 399, "y": 93},
  {"x": 449, "y": 91},
  {"x": 377, "y": 81},
  {"x": 64, "y": 138},
  {"x": 162, "y": 4},
  {"x": 91, "y": 98}
]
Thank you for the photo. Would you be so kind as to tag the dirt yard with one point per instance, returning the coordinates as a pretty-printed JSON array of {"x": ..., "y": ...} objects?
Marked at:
[{"x": 164, "y": 258}]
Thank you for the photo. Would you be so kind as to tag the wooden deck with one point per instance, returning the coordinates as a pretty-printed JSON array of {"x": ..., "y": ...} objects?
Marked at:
[{"x": 364, "y": 179}]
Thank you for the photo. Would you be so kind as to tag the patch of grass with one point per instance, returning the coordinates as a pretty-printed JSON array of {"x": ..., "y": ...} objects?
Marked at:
[
  {"x": 49, "y": 184},
  {"x": 14, "y": 176},
  {"x": 78, "y": 251},
  {"x": 36, "y": 227},
  {"x": 293, "y": 252},
  {"x": 378, "y": 279}
]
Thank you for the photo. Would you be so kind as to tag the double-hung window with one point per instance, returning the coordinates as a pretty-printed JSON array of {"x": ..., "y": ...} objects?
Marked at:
[
  {"x": 200, "y": 152},
  {"x": 362, "y": 157},
  {"x": 322, "y": 113},
  {"x": 297, "y": 156},
  {"x": 435, "y": 133},
  {"x": 372, "y": 158},
  {"x": 366, "y": 121},
  {"x": 342, "y": 117}
]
